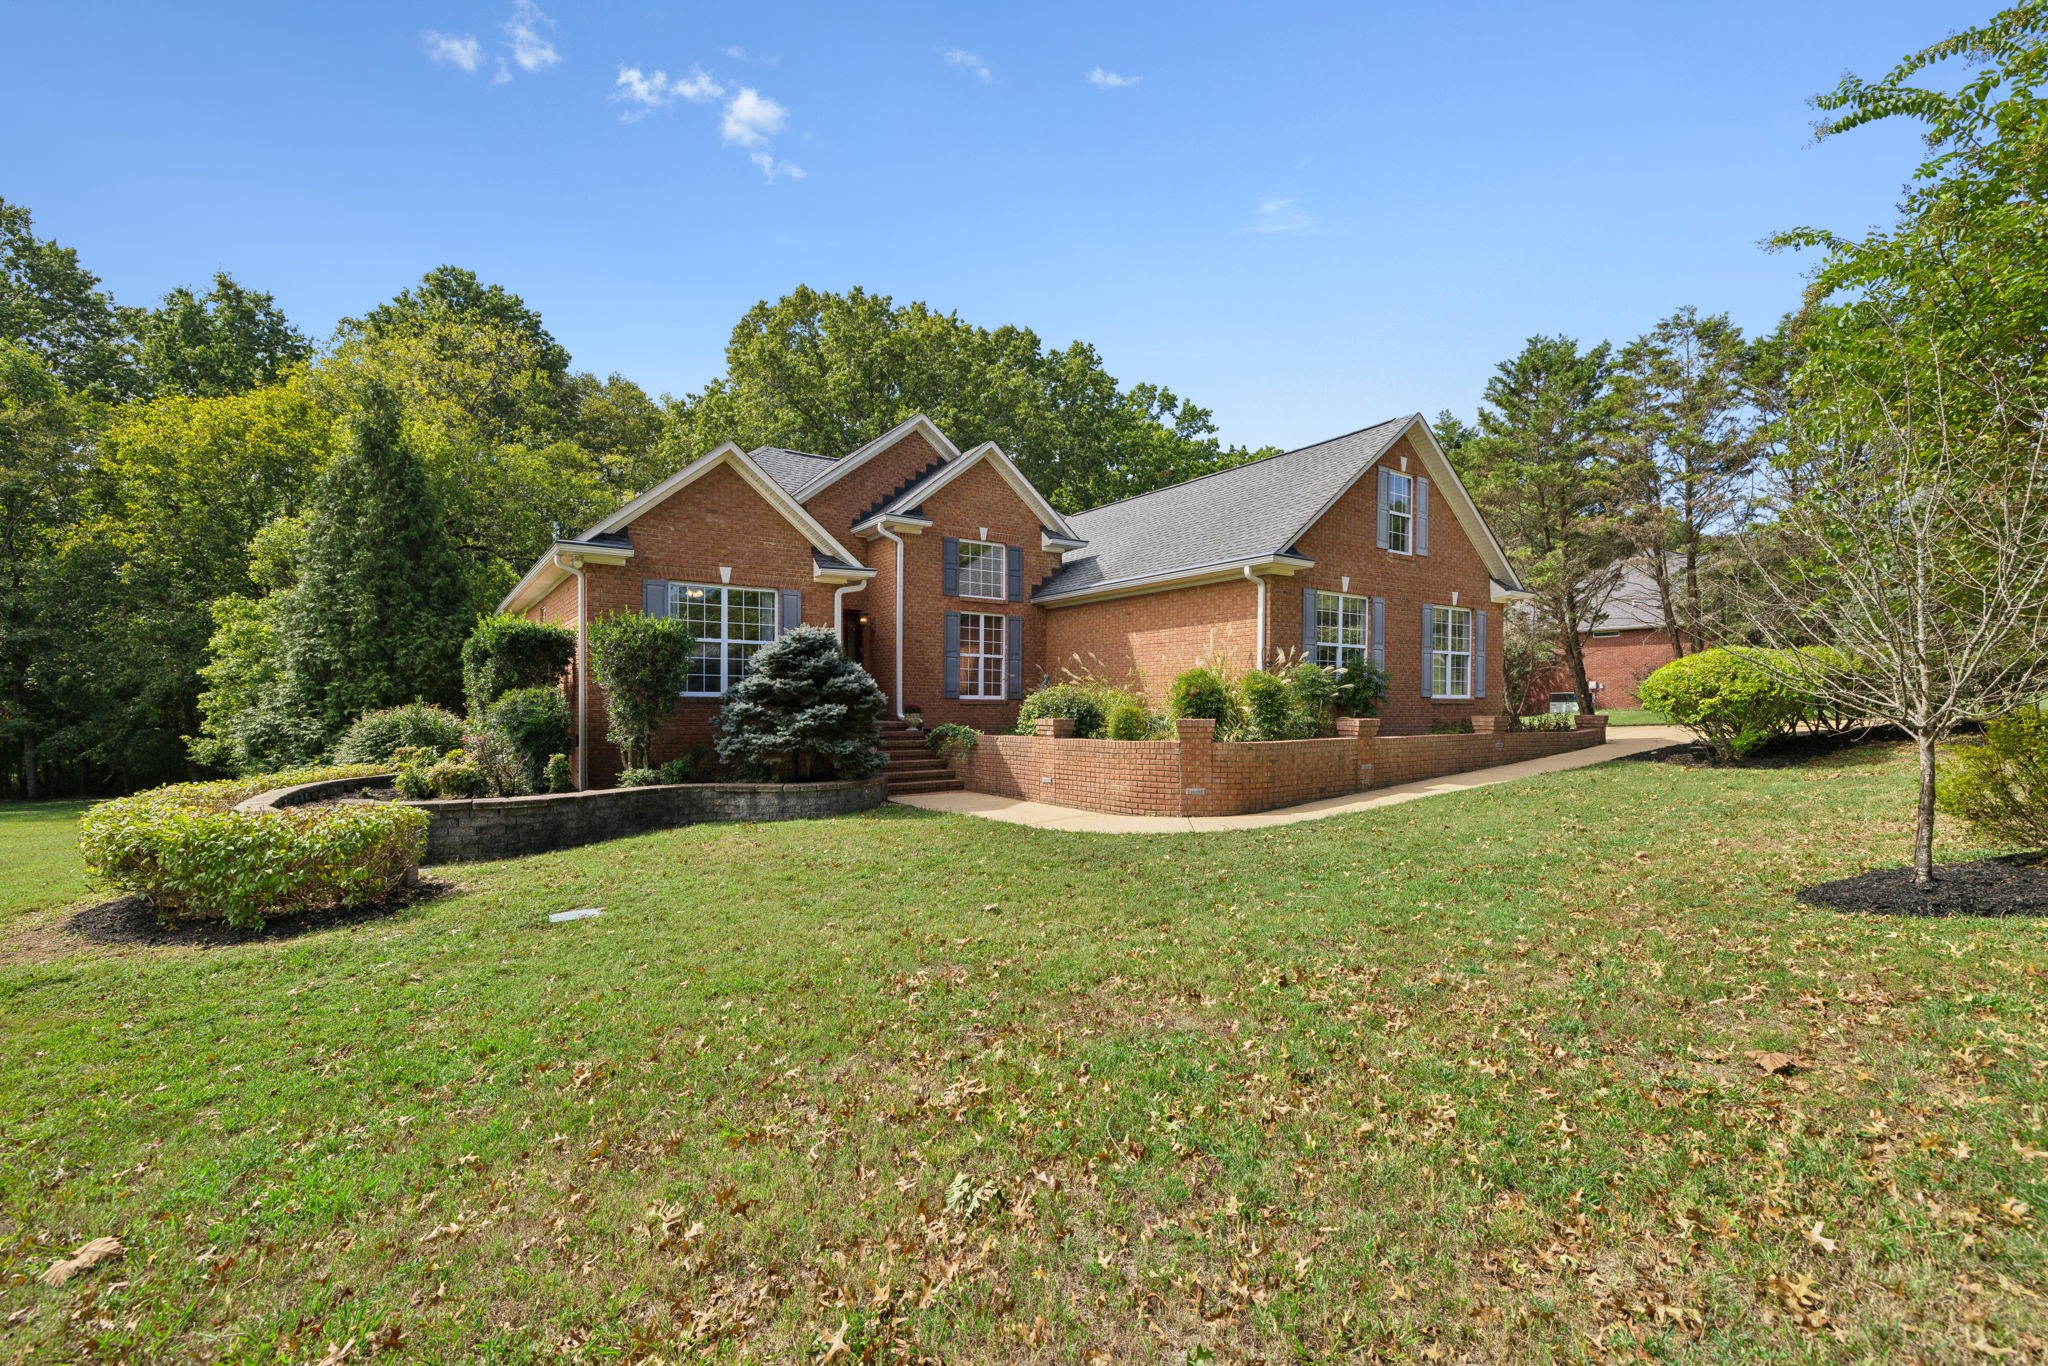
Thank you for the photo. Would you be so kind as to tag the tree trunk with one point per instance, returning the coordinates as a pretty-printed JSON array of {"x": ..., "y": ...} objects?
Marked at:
[
  {"x": 1575, "y": 656},
  {"x": 1923, "y": 825},
  {"x": 28, "y": 765}
]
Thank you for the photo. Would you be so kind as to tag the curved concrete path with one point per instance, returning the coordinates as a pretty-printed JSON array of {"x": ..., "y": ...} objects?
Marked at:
[{"x": 1622, "y": 741}]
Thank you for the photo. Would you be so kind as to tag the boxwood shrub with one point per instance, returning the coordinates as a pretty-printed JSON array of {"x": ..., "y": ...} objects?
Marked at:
[
  {"x": 1736, "y": 700},
  {"x": 186, "y": 851},
  {"x": 377, "y": 735}
]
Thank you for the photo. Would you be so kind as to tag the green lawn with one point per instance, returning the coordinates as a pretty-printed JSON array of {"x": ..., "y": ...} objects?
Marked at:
[
  {"x": 1463, "y": 1079},
  {"x": 1626, "y": 717},
  {"x": 38, "y": 857}
]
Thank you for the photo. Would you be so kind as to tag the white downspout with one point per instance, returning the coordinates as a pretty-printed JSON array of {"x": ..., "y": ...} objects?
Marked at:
[
  {"x": 582, "y": 671},
  {"x": 839, "y": 608},
  {"x": 890, "y": 535},
  {"x": 1259, "y": 661}
]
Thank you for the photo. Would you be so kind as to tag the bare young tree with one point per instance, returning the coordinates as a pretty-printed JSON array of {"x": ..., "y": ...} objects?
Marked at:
[{"x": 1911, "y": 535}]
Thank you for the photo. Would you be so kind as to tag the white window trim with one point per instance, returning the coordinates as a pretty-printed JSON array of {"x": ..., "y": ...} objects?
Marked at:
[
  {"x": 723, "y": 640},
  {"x": 1002, "y": 637},
  {"x": 1407, "y": 518},
  {"x": 1451, "y": 614},
  {"x": 1002, "y": 559},
  {"x": 1362, "y": 650}
]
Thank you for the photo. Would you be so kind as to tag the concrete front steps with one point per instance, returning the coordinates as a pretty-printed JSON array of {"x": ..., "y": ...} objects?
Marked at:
[{"x": 912, "y": 767}]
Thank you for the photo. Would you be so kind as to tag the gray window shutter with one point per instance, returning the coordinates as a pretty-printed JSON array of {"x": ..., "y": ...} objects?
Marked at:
[
  {"x": 1380, "y": 535},
  {"x": 950, "y": 548},
  {"x": 1308, "y": 625},
  {"x": 1016, "y": 573},
  {"x": 1379, "y": 632},
  {"x": 1479, "y": 654},
  {"x": 1425, "y": 652},
  {"x": 952, "y": 679},
  {"x": 1013, "y": 658},
  {"x": 789, "y": 610},
  {"x": 1421, "y": 537},
  {"x": 654, "y": 597}
]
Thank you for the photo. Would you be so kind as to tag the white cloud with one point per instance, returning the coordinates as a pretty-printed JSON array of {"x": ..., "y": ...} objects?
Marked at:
[
  {"x": 464, "y": 52},
  {"x": 772, "y": 168},
  {"x": 530, "y": 49},
  {"x": 1280, "y": 215},
  {"x": 1109, "y": 80},
  {"x": 751, "y": 118},
  {"x": 738, "y": 54},
  {"x": 957, "y": 57},
  {"x": 650, "y": 91}
]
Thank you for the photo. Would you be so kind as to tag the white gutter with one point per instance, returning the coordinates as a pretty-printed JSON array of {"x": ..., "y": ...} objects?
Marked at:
[
  {"x": 889, "y": 535},
  {"x": 1191, "y": 575},
  {"x": 839, "y": 607},
  {"x": 1259, "y": 660}
]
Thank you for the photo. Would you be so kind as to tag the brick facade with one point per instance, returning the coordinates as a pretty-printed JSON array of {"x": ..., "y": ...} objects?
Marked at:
[
  {"x": 1194, "y": 775},
  {"x": 1615, "y": 665},
  {"x": 719, "y": 529}
]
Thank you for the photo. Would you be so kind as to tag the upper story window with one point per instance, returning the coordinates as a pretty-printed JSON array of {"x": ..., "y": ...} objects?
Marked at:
[
  {"x": 1450, "y": 651},
  {"x": 729, "y": 624},
  {"x": 1401, "y": 513},
  {"x": 1341, "y": 625},
  {"x": 981, "y": 654},
  {"x": 981, "y": 570}
]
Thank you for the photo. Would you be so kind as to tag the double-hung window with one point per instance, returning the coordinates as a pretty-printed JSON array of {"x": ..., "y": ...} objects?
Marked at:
[
  {"x": 981, "y": 655},
  {"x": 1341, "y": 630},
  {"x": 729, "y": 624},
  {"x": 981, "y": 570},
  {"x": 1400, "y": 513},
  {"x": 1450, "y": 652}
]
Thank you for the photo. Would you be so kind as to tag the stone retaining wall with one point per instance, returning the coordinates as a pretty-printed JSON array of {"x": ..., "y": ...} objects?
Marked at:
[
  {"x": 467, "y": 830},
  {"x": 1194, "y": 775}
]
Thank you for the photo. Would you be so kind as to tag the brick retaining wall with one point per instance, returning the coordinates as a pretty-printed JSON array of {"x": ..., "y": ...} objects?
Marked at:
[{"x": 1194, "y": 775}]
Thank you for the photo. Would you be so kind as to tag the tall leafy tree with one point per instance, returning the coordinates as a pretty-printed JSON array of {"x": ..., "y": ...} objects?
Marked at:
[
  {"x": 381, "y": 605},
  {"x": 1541, "y": 466},
  {"x": 55, "y": 307},
  {"x": 825, "y": 372},
  {"x": 452, "y": 294},
  {"x": 1687, "y": 441},
  {"x": 226, "y": 341}
]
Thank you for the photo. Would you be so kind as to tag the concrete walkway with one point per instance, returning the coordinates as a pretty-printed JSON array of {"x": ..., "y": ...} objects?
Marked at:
[{"x": 1622, "y": 741}]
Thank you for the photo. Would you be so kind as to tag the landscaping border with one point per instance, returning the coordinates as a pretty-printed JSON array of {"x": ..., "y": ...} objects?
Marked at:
[
  {"x": 473, "y": 829},
  {"x": 1195, "y": 775}
]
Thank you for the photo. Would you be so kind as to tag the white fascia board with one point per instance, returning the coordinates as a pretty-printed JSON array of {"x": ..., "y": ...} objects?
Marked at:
[
  {"x": 555, "y": 565},
  {"x": 894, "y": 521},
  {"x": 838, "y": 574},
  {"x": 1048, "y": 515},
  {"x": 853, "y": 460},
  {"x": 756, "y": 479},
  {"x": 1223, "y": 571}
]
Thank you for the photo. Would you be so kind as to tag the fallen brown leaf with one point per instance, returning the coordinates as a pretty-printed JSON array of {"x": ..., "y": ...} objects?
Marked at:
[
  {"x": 85, "y": 1259},
  {"x": 1774, "y": 1062}
]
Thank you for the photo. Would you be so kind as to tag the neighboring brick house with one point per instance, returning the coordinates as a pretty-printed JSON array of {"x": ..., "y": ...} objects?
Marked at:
[
  {"x": 960, "y": 588},
  {"x": 1625, "y": 643}
]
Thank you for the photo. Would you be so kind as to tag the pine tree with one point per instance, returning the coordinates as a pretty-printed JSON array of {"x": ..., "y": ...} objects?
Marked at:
[
  {"x": 804, "y": 710},
  {"x": 381, "y": 606}
]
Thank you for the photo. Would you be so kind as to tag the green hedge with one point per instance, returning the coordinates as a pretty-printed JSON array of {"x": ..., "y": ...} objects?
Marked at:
[
  {"x": 186, "y": 851},
  {"x": 1736, "y": 700},
  {"x": 377, "y": 735}
]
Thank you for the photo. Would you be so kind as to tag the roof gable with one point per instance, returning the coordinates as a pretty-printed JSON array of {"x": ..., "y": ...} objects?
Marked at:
[
  {"x": 731, "y": 455},
  {"x": 854, "y": 459},
  {"x": 986, "y": 453}
]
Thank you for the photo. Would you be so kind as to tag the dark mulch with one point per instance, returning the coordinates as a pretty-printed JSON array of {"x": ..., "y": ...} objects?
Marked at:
[
  {"x": 128, "y": 921},
  {"x": 1791, "y": 752},
  {"x": 2013, "y": 885}
]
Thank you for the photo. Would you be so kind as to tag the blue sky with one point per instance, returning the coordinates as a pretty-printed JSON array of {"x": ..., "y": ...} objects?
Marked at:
[{"x": 1305, "y": 217}]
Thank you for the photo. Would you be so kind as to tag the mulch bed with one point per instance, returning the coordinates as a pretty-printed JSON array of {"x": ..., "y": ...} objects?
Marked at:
[
  {"x": 2015, "y": 885},
  {"x": 128, "y": 921}
]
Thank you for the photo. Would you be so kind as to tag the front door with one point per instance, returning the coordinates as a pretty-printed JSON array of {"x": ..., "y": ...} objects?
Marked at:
[{"x": 853, "y": 634}]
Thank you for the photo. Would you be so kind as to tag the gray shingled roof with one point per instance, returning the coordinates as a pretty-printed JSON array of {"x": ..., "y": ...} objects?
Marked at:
[
  {"x": 790, "y": 469},
  {"x": 1242, "y": 513}
]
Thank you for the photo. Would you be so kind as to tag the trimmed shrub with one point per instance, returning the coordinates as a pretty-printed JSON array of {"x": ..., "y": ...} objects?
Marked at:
[
  {"x": 1128, "y": 721},
  {"x": 506, "y": 652},
  {"x": 1314, "y": 689},
  {"x": 643, "y": 664},
  {"x": 189, "y": 854},
  {"x": 1726, "y": 697},
  {"x": 803, "y": 711},
  {"x": 376, "y": 736},
  {"x": 1081, "y": 703},
  {"x": 1544, "y": 721},
  {"x": 681, "y": 769},
  {"x": 1268, "y": 706},
  {"x": 952, "y": 742},
  {"x": 558, "y": 778},
  {"x": 639, "y": 777},
  {"x": 1999, "y": 783},
  {"x": 535, "y": 723},
  {"x": 1361, "y": 687},
  {"x": 1204, "y": 692},
  {"x": 456, "y": 774}
]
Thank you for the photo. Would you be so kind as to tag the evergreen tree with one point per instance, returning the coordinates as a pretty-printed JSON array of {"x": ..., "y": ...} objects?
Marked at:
[
  {"x": 804, "y": 710},
  {"x": 380, "y": 608}
]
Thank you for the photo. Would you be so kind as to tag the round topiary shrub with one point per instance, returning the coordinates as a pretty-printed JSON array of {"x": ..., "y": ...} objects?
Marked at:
[
  {"x": 1128, "y": 721},
  {"x": 377, "y": 735},
  {"x": 187, "y": 852},
  {"x": 1729, "y": 698},
  {"x": 1203, "y": 692}
]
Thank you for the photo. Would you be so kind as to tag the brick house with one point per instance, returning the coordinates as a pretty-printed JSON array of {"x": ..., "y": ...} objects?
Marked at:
[
  {"x": 960, "y": 588},
  {"x": 1625, "y": 642}
]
